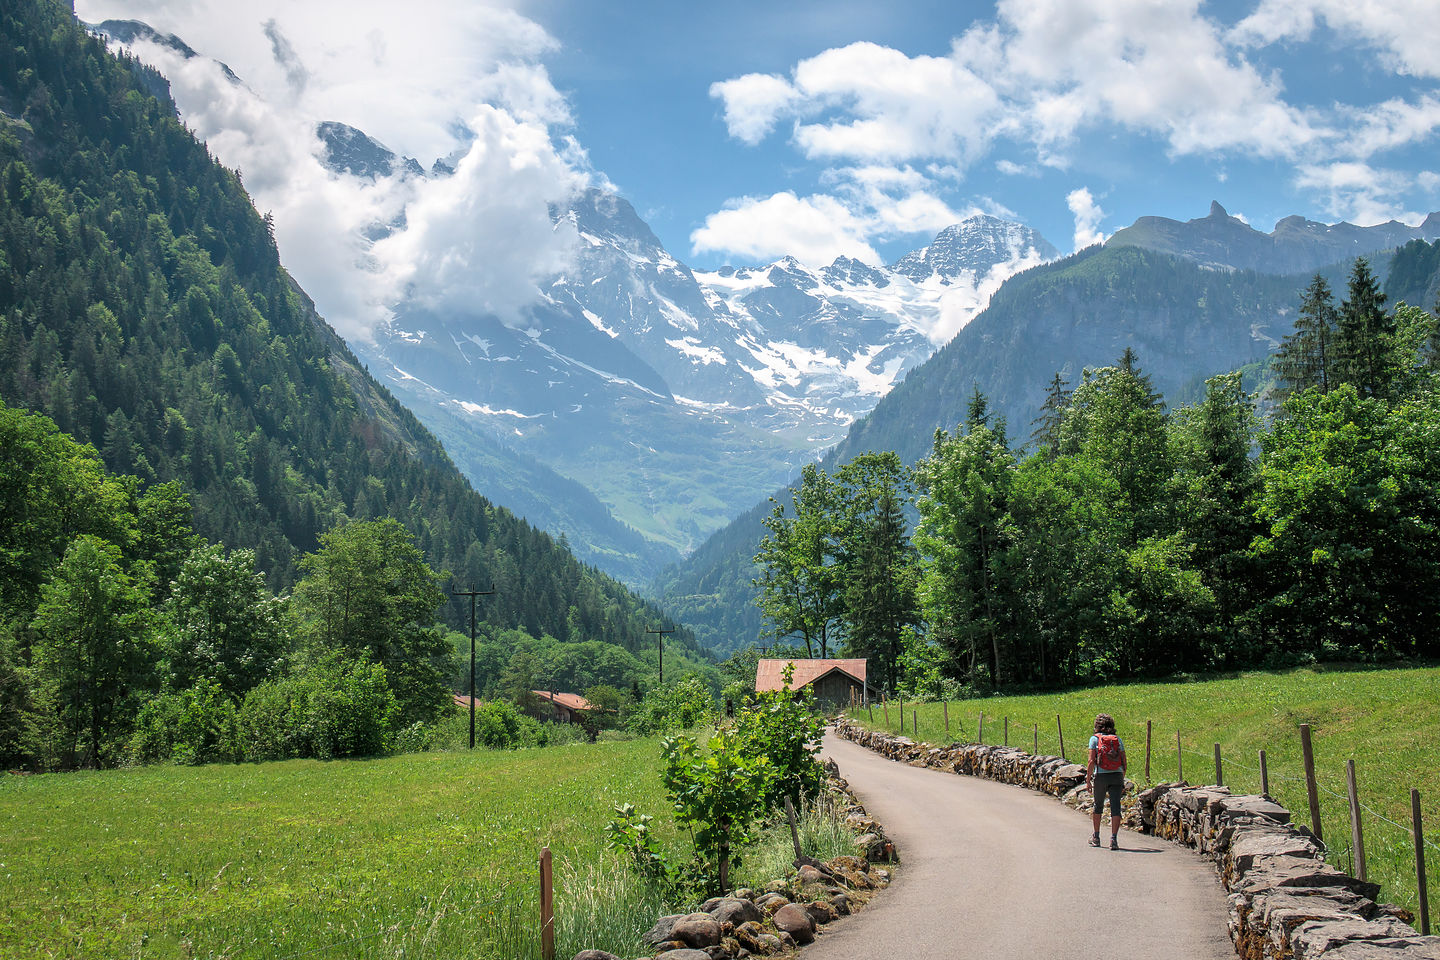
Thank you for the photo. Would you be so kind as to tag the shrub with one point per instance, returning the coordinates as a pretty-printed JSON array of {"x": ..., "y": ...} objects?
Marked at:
[
  {"x": 499, "y": 726},
  {"x": 676, "y": 706},
  {"x": 785, "y": 728},
  {"x": 192, "y": 726},
  {"x": 717, "y": 795},
  {"x": 331, "y": 707}
]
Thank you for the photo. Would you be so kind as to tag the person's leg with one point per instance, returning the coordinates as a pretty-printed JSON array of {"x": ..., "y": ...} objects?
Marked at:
[
  {"x": 1116, "y": 791},
  {"x": 1099, "y": 808}
]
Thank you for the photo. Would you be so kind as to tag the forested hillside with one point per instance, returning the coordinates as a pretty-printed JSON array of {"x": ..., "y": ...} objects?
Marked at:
[
  {"x": 144, "y": 309},
  {"x": 1185, "y": 322}
]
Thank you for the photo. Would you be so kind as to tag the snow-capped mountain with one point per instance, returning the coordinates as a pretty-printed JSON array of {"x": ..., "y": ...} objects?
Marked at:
[{"x": 646, "y": 381}]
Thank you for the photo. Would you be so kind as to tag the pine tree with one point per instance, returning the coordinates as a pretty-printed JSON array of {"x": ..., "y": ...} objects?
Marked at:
[
  {"x": 1366, "y": 333},
  {"x": 1046, "y": 436},
  {"x": 1307, "y": 356}
]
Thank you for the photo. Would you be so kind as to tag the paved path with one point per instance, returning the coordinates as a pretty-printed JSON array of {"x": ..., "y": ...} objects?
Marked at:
[{"x": 999, "y": 872}]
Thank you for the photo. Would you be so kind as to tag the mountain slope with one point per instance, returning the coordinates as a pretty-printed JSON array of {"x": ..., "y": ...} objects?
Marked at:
[
  {"x": 143, "y": 307},
  {"x": 1185, "y": 318}
]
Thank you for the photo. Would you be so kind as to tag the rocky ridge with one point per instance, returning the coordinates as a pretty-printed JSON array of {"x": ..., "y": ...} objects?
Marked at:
[{"x": 1285, "y": 902}]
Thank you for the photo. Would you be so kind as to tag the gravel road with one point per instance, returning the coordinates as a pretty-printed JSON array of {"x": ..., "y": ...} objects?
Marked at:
[{"x": 998, "y": 872}]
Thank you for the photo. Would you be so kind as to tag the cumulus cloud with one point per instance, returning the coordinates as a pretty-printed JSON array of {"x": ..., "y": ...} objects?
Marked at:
[
  {"x": 815, "y": 230},
  {"x": 1043, "y": 73},
  {"x": 1405, "y": 32},
  {"x": 430, "y": 80},
  {"x": 1359, "y": 193},
  {"x": 1088, "y": 217}
]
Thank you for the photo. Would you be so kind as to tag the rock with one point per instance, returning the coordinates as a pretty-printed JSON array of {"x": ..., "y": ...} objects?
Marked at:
[
  {"x": 662, "y": 931},
  {"x": 794, "y": 920},
  {"x": 821, "y": 912},
  {"x": 841, "y": 903},
  {"x": 684, "y": 953},
  {"x": 595, "y": 955},
  {"x": 809, "y": 874},
  {"x": 733, "y": 910},
  {"x": 697, "y": 930},
  {"x": 771, "y": 902}
]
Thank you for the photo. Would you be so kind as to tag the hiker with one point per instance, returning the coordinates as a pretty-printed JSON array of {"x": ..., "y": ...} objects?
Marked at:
[{"x": 1105, "y": 775}]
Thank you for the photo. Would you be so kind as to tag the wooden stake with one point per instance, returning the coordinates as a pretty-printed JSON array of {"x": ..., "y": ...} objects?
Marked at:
[
  {"x": 1061, "y": 730},
  {"x": 871, "y": 708},
  {"x": 1179, "y": 758},
  {"x": 1148, "y": 731},
  {"x": 1357, "y": 833},
  {"x": 1264, "y": 775},
  {"x": 1007, "y": 731},
  {"x": 547, "y": 906},
  {"x": 1219, "y": 773},
  {"x": 794, "y": 832},
  {"x": 1036, "y": 750},
  {"x": 915, "y": 724},
  {"x": 980, "y": 730},
  {"x": 947, "y": 719},
  {"x": 1420, "y": 863},
  {"x": 1311, "y": 788},
  {"x": 885, "y": 707}
]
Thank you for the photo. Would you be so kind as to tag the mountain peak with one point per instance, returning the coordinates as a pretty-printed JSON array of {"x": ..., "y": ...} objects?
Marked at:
[
  {"x": 974, "y": 245},
  {"x": 1217, "y": 212}
]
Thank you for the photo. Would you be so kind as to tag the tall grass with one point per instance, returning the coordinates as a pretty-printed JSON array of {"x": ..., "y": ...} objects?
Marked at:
[{"x": 1387, "y": 721}]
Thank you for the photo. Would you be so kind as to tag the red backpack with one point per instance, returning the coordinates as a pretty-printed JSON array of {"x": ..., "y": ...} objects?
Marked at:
[{"x": 1108, "y": 753}]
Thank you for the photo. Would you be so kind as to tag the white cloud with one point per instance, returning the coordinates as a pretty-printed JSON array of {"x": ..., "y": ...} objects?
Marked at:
[
  {"x": 815, "y": 230},
  {"x": 430, "y": 80},
  {"x": 753, "y": 103},
  {"x": 1406, "y": 32},
  {"x": 1088, "y": 217},
  {"x": 1365, "y": 195}
]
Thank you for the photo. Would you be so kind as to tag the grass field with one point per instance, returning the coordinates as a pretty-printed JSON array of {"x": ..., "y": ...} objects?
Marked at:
[
  {"x": 421, "y": 855},
  {"x": 1387, "y": 721}
]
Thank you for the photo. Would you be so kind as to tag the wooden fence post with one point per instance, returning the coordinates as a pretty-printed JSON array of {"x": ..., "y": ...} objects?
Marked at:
[
  {"x": 1219, "y": 774},
  {"x": 1007, "y": 731},
  {"x": 870, "y": 707},
  {"x": 1357, "y": 834},
  {"x": 885, "y": 708},
  {"x": 794, "y": 831},
  {"x": 915, "y": 723},
  {"x": 1036, "y": 751},
  {"x": 947, "y": 719},
  {"x": 1061, "y": 730},
  {"x": 1179, "y": 758},
  {"x": 547, "y": 906},
  {"x": 1420, "y": 863},
  {"x": 980, "y": 730},
  {"x": 1147, "y": 750},
  {"x": 1311, "y": 788},
  {"x": 1264, "y": 775}
]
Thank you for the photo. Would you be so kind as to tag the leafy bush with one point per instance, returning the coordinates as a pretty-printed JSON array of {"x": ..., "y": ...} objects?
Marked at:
[
  {"x": 677, "y": 706},
  {"x": 193, "y": 726},
  {"x": 499, "y": 726},
  {"x": 786, "y": 729},
  {"x": 718, "y": 795},
  {"x": 330, "y": 708}
]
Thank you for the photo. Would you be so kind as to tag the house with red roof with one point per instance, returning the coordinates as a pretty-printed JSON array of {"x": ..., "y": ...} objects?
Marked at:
[
  {"x": 832, "y": 681},
  {"x": 560, "y": 707}
]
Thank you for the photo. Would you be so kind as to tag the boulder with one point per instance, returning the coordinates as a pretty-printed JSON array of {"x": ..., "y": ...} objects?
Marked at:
[
  {"x": 733, "y": 910},
  {"x": 697, "y": 930},
  {"x": 595, "y": 955},
  {"x": 821, "y": 912},
  {"x": 794, "y": 920},
  {"x": 662, "y": 931},
  {"x": 684, "y": 953}
]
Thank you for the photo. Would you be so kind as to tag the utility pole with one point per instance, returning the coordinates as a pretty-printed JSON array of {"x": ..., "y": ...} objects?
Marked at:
[
  {"x": 661, "y": 639},
  {"x": 472, "y": 593}
]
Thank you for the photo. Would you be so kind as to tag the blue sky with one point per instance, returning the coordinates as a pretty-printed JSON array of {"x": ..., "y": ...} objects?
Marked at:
[
  {"x": 640, "y": 78},
  {"x": 744, "y": 131}
]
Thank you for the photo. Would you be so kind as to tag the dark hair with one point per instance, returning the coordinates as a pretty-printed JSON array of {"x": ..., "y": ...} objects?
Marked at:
[{"x": 1104, "y": 723}]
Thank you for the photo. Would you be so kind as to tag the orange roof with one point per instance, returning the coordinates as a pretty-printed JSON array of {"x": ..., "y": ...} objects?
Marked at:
[
  {"x": 571, "y": 700},
  {"x": 768, "y": 673}
]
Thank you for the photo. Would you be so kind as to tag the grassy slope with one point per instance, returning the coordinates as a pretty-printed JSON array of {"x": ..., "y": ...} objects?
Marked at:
[
  {"x": 1387, "y": 721},
  {"x": 434, "y": 852}
]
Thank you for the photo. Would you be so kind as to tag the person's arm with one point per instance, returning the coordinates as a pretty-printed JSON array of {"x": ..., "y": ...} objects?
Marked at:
[{"x": 1090, "y": 767}]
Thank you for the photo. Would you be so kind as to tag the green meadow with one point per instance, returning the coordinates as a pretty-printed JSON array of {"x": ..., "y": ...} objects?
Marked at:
[
  {"x": 420, "y": 855},
  {"x": 1387, "y": 721}
]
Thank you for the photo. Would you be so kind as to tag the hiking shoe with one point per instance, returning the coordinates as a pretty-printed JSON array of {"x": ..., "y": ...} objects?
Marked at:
[
  {"x": 1095, "y": 840},
  {"x": 1114, "y": 843}
]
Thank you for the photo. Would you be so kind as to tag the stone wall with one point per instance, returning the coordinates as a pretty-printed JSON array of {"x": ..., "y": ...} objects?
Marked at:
[
  {"x": 790, "y": 910},
  {"x": 1285, "y": 902}
]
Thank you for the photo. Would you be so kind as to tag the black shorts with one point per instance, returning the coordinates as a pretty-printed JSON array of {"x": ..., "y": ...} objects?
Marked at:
[{"x": 1109, "y": 783}]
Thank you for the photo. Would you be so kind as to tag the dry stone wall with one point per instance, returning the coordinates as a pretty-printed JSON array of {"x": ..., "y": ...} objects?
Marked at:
[{"x": 1285, "y": 902}]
